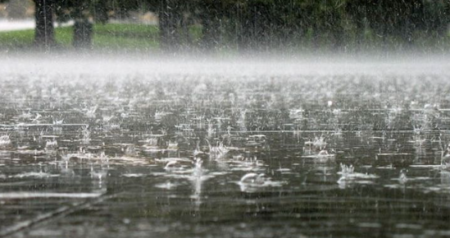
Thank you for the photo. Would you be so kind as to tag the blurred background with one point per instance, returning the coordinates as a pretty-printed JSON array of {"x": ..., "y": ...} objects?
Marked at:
[{"x": 225, "y": 25}]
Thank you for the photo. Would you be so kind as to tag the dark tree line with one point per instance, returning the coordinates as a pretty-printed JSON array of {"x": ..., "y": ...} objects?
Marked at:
[{"x": 250, "y": 24}]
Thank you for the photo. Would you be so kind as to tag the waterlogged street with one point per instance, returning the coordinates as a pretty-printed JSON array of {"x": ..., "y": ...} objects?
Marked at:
[{"x": 244, "y": 149}]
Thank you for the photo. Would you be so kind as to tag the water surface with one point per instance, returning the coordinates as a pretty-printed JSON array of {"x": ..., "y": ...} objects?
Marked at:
[{"x": 244, "y": 149}]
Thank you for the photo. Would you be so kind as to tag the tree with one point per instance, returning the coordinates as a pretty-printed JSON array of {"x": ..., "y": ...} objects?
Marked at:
[
  {"x": 44, "y": 33},
  {"x": 256, "y": 24},
  {"x": 82, "y": 12},
  {"x": 44, "y": 36},
  {"x": 168, "y": 15},
  {"x": 209, "y": 13}
]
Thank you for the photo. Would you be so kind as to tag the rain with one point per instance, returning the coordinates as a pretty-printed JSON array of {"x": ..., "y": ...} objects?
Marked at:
[{"x": 230, "y": 118}]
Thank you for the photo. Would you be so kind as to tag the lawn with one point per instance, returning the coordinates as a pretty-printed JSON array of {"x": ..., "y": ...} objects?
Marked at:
[
  {"x": 106, "y": 36},
  {"x": 139, "y": 38}
]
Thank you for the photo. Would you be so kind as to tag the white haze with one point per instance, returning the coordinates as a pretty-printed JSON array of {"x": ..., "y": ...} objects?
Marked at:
[{"x": 118, "y": 66}]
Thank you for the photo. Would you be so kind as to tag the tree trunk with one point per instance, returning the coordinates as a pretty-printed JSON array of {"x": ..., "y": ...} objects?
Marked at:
[
  {"x": 245, "y": 29},
  {"x": 44, "y": 33},
  {"x": 337, "y": 31},
  {"x": 210, "y": 27},
  {"x": 82, "y": 34},
  {"x": 169, "y": 39}
]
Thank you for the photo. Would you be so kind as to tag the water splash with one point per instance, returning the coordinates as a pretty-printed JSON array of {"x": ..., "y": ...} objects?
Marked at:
[{"x": 5, "y": 141}]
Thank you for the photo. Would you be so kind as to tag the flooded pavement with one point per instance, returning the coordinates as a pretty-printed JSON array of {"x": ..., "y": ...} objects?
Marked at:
[{"x": 240, "y": 150}]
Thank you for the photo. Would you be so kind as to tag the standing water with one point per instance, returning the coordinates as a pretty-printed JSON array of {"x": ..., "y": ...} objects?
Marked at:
[{"x": 246, "y": 148}]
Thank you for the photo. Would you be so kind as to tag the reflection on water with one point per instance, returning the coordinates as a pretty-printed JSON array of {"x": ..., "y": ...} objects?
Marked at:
[{"x": 230, "y": 156}]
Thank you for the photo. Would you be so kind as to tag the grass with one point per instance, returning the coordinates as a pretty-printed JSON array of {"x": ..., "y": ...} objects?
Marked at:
[
  {"x": 106, "y": 36},
  {"x": 125, "y": 37},
  {"x": 141, "y": 38},
  {"x": 16, "y": 39}
]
